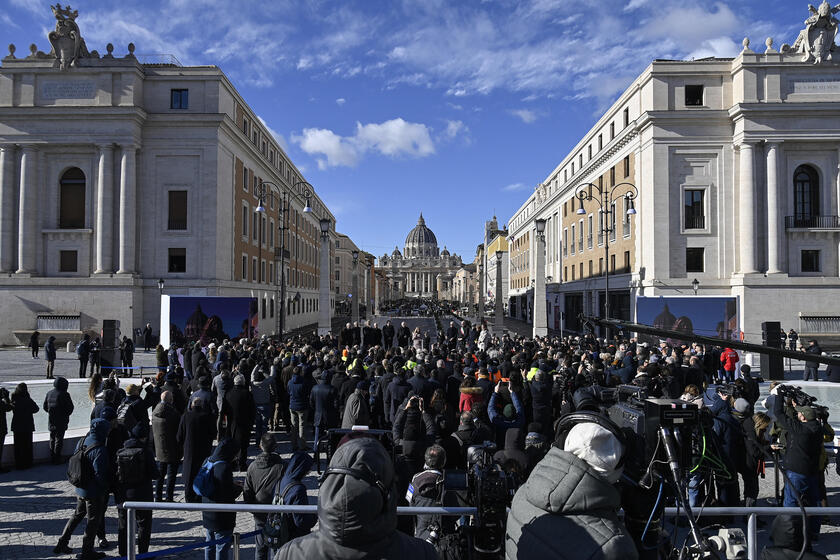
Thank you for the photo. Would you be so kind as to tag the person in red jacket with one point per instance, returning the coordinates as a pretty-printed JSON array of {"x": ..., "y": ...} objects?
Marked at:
[{"x": 728, "y": 359}]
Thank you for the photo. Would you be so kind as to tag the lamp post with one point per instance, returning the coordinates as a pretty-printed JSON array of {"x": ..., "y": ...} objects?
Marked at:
[
  {"x": 306, "y": 192},
  {"x": 500, "y": 305},
  {"x": 355, "y": 294},
  {"x": 481, "y": 290},
  {"x": 606, "y": 197},
  {"x": 695, "y": 285},
  {"x": 324, "y": 323},
  {"x": 161, "y": 282},
  {"x": 540, "y": 319}
]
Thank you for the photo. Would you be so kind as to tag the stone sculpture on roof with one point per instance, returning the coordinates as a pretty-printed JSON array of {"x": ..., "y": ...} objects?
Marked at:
[
  {"x": 67, "y": 43},
  {"x": 816, "y": 41}
]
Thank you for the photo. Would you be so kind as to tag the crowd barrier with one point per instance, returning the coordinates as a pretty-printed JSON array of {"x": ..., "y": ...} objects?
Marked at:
[{"x": 752, "y": 514}]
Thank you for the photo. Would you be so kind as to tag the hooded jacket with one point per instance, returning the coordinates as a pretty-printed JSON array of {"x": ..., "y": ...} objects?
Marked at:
[
  {"x": 97, "y": 454},
  {"x": 565, "y": 496},
  {"x": 356, "y": 411},
  {"x": 58, "y": 405},
  {"x": 356, "y": 519},
  {"x": 49, "y": 349},
  {"x": 298, "y": 393},
  {"x": 299, "y": 466},
  {"x": 165, "y": 422},
  {"x": 469, "y": 396},
  {"x": 226, "y": 490},
  {"x": 263, "y": 475},
  {"x": 786, "y": 535}
]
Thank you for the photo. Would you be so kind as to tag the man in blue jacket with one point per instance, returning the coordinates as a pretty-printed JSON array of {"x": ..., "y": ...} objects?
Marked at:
[
  {"x": 512, "y": 416},
  {"x": 298, "y": 388},
  {"x": 89, "y": 502}
]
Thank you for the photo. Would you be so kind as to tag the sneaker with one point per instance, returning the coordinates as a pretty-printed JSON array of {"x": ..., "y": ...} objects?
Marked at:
[
  {"x": 103, "y": 543},
  {"x": 62, "y": 548}
]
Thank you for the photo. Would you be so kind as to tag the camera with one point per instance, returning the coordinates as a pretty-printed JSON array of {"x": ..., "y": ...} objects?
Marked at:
[{"x": 796, "y": 395}]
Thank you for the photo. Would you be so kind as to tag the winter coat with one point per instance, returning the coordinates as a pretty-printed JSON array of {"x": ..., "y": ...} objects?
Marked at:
[
  {"x": 356, "y": 411},
  {"x": 180, "y": 401},
  {"x": 226, "y": 490},
  {"x": 815, "y": 350},
  {"x": 395, "y": 395},
  {"x": 263, "y": 475},
  {"x": 222, "y": 383},
  {"x": 143, "y": 492},
  {"x": 497, "y": 419},
  {"x": 262, "y": 391},
  {"x": 727, "y": 428},
  {"x": 541, "y": 402},
  {"x": 469, "y": 396},
  {"x": 195, "y": 436},
  {"x": 728, "y": 359},
  {"x": 165, "y": 422},
  {"x": 355, "y": 519},
  {"x": 97, "y": 454},
  {"x": 323, "y": 399},
  {"x": 565, "y": 496},
  {"x": 138, "y": 408},
  {"x": 388, "y": 334},
  {"x": 786, "y": 535},
  {"x": 49, "y": 349},
  {"x": 298, "y": 393},
  {"x": 208, "y": 401},
  {"x": 417, "y": 341},
  {"x": 299, "y": 466},
  {"x": 58, "y": 405},
  {"x": 24, "y": 409},
  {"x": 240, "y": 411},
  {"x": 403, "y": 335},
  {"x": 804, "y": 441}
]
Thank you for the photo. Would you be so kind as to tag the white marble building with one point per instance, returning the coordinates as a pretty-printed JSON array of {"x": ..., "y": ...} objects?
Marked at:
[
  {"x": 737, "y": 165},
  {"x": 115, "y": 173}
]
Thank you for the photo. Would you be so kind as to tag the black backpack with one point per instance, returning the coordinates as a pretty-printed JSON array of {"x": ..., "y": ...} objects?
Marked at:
[
  {"x": 126, "y": 416},
  {"x": 80, "y": 468},
  {"x": 131, "y": 467},
  {"x": 278, "y": 526}
]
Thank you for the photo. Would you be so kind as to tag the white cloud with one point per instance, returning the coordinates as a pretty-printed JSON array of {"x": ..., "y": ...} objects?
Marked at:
[
  {"x": 526, "y": 115},
  {"x": 340, "y": 101},
  {"x": 277, "y": 136},
  {"x": 635, "y": 5},
  {"x": 515, "y": 187},
  {"x": 35, "y": 7},
  {"x": 453, "y": 128},
  {"x": 394, "y": 138}
]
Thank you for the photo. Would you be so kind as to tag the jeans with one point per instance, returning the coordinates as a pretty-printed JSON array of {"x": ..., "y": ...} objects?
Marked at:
[
  {"x": 263, "y": 418},
  {"x": 91, "y": 508},
  {"x": 144, "y": 530},
  {"x": 695, "y": 490},
  {"x": 261, "y": 550},
  {"x": 56, "y": 445},
  {"x": 83, "y": 362},
  {"x": 298, "y": 429},
  {"x": 50, "y": 368},
  {"x": 808, "y": 487},
  {"x": 809, "y": 371},
  {"x": 219, "y": 551},
  {"x": 170, "y": 472}
]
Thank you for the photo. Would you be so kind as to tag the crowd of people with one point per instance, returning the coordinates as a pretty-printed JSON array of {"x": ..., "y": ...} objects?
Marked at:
[{"x": 435, "y": 399}]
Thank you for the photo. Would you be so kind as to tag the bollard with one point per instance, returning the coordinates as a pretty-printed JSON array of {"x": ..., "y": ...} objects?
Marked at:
[
  {"x": 70, "y": 346},
  {"x": 236, "y": 546}
]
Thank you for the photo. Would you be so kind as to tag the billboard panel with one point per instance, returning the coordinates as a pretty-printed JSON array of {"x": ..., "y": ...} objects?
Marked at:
[
  {"x": 708, "y": 316},
  {"x": 204, "y": 319}
]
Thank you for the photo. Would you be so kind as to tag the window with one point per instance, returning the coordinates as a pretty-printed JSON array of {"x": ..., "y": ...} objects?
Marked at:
[
  {"x": 245, "y": 221},
  {"x": 590, "y": 268},
  {"x": 612, "y": 263},
  {"x": 694, "y": 209},
  {"x": 626, "y": 166},
  {"x": 256, "y": 227},
  {"x": 600, "y": 266},
  {"x": 177, "y": 210},
  {"x": 694, "y": 259},
  {"x": 573, "y": 239},
  {"x": 580, "y": 161},
  {"x": 244, "y": 267},
  {"x": 71, "y": 199},
  {"x": 600, "y": 142},
  {"x": 262, "y": 271},
  {"x": 810, "y": 260},
  {"x": 177, "y": 260},
  {"x": 626, "y": 261},
  {"x": 590, "y": 151},
  {"x": 337, "y": 260},
  {"x": 245, "y": 126},
  {"x": 612, "y": 175},
  {"x": 245, "y": 179},
  {"x": 68, "y": 261},
  {"x": 693, "y": 96},
  {"x": 179, "y": 99},
  {"x": 337, "y": 275},
  {"x": 581, "y": 271},
  {"x": 806, "y": 193},
  {"x": 271, "y": 307},
  {"x": 263, "y": 307},
  {"x": 254, "y": 269},
  {"x": 573, "y": 273},
  {"x": 612, "y": 130}
]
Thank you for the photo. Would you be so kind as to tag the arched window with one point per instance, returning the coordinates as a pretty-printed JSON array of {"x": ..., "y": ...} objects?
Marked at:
[
  {"x": 71, "y": 199},
  {"x": 806, "y": 192}
]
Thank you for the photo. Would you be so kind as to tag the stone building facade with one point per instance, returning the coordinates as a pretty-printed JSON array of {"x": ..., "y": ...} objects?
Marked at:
[
  {"x": 421, "y": 270},
  {"x": 115, "y": 174}
]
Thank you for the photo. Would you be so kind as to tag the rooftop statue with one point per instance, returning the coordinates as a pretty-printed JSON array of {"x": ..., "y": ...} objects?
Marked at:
[
  {"x": 816, "y": 41},
  {"x": 67, "y": 43}
]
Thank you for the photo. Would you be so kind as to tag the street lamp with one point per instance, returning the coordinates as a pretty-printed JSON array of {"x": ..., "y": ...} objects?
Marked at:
[
  {"x": 606, "y": 197},
  {"x": 540, "y": 318},
  {"x": 355, "y": 300},
  {"x": 695, "y": 285},
  {"x": 161, "y": 282},
  {"x": 324, "y": 324}
]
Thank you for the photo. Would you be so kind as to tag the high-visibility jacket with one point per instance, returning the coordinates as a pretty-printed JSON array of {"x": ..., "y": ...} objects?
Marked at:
[{"x": 729, "y": 358}]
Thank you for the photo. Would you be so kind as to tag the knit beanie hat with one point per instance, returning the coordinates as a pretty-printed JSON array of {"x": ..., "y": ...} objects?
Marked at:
[
  {"x": 508, "y": 411},
  {"x": 741, "y": 406},
  {"x": 598, "y": 447},
  {"x": 239, "y": 379}
]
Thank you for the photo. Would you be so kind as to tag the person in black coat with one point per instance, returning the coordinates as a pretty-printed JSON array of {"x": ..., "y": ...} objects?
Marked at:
[
  {"x": 147, "y": 337},
  {"x": 219, "y": 525},
  {"x": 395, "y": 395},
  {"x": 403, "y": 335},
  {"x": 34, "y": 344},
  {"x": 388, "y": 335},
  {"x": 239, "y": 409},
  {"x": 5, "y": 406},
  {"x": 323, "y": 399},
  {"x": 541, "y": 401},
  {"x": 172, "y": 385},
  {"x": 59, "y": 406},
  {"x": 345, "y": 336},
  {"x": 165, "y": 422},
  {"x": 23, "y": 424},
  {"x": 141, "y": 492},
  {"x": 196, "y": 433}
]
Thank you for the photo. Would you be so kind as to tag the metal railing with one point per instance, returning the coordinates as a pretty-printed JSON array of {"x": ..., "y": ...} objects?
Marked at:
[
  {"x": 815, "y": 222},
  {"x": 695, "y": 222},
  {"x": 752, "y": 514},
  {"x": 824, "y": 324}
]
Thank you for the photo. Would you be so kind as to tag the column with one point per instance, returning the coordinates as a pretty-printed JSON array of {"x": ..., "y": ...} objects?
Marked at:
[
  {"x": 128, "y": 202},
  {"x": 104, "y": 210},
  {"x": 499, "y": 326},
  {"x": 324, "y": 322},
  {"x": 27, "y": 210},
  {"x": 7, "y": 208},
  {"x": 774, "y": 230},
  {"x": 540, "y": 319},
  {"x": 746, "y": 211}
]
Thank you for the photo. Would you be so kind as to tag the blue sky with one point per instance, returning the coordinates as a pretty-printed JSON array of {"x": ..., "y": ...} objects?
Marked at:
[{"x": 453, "y": 108}]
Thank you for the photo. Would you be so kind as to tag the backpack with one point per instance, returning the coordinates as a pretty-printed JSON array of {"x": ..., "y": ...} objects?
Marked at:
[
  {"x": 278, "y": 526},
  {"x": 80, "y": 467},
  {"x": 131, "y": 467},
  {"x": 126, "y": 416},
  {"x": 204, "y": 484}
]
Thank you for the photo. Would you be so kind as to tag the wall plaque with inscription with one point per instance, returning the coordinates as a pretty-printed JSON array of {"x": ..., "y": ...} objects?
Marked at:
[
  {"x": 68, "y": 89},
  {"x": 816, "y": 86}
]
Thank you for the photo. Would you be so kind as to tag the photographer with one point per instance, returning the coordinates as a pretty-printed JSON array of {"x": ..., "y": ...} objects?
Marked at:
[
  {"x": 803, "y": 445},
  {"x": 427, "y": 490},
  {"x": 413, "y": 430},
  {"x": 571, "y": 493}
]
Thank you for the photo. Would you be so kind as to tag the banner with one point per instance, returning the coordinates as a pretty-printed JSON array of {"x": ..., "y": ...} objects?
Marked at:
[
  {"x": 708, "y": 316},
  {"x": 206, "y": 319}
]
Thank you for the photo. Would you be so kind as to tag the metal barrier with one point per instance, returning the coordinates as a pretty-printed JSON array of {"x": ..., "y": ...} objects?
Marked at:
[{"x": 752, "y": 515}]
